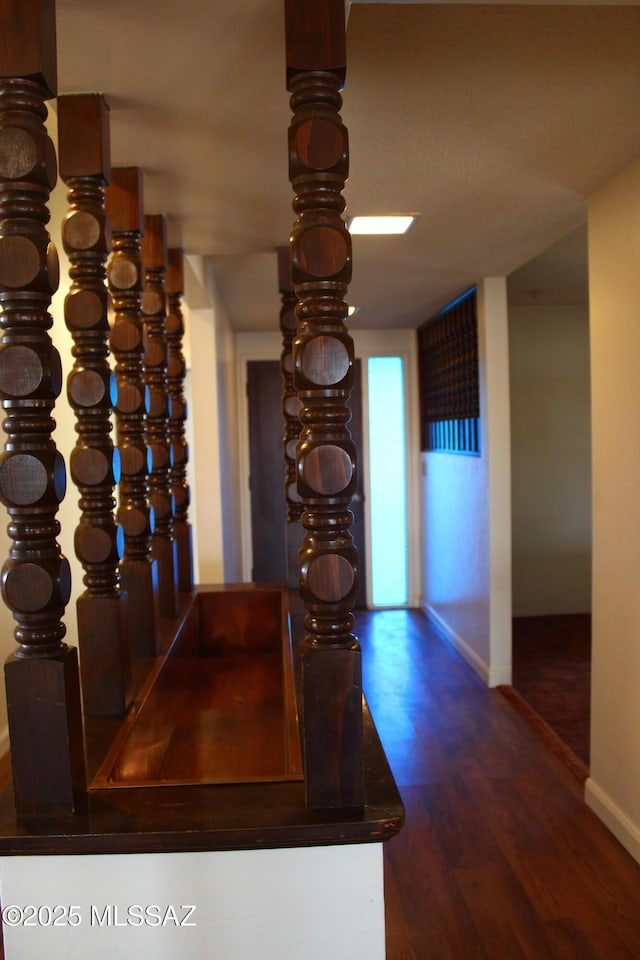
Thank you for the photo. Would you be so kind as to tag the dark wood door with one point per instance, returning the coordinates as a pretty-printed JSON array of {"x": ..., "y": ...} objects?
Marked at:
[
  {"x": 268, "y": 508},
  {"x": 266, "y": 481}
]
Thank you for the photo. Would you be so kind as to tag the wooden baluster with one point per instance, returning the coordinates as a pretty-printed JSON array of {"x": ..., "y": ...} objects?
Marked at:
[
  {"x": 85, "y": 166},
  {"x": 154, "y": 258},
  {"x": 138, "y": 571},
  {"x": 323, "y": 372},
  {"x": 290, "y": 409},
  {"x": 176, "y": 373},
  {"x": 43, "y": 689}
]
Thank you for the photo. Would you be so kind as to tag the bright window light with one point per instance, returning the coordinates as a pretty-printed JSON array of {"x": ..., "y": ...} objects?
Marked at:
[
  {"x": 388, "y": 482},
  {"x": 382, "y": 225}
]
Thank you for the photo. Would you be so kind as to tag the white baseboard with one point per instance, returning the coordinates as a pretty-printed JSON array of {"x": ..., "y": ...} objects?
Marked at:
[
  {"x": 624, "y": 829},
  {"x": 464, "y": 648},
  {"x": 500, "y": 676}
]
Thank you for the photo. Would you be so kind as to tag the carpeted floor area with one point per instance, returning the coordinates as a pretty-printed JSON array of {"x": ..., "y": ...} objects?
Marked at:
[{"x": 552, "y": 674}]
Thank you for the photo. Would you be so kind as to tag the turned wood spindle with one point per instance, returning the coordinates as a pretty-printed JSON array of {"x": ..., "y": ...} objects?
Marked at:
[
  {"x": 42, "y": 683},
  {"x": 125, "y": 272},
  {"x": 85, "y": 167},
  {"x": 176, "y": 373},
  {"x": 154, "y": 258},
  {"x": 323, "y": 375},
  {"x": 290, "y": 410}
]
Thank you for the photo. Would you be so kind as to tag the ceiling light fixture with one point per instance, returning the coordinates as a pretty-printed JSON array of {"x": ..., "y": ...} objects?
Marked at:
[{"x": 385, "y": 225}]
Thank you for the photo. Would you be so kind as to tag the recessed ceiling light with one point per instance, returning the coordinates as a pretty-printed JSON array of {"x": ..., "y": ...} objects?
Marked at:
[{"x": 382, "y": 225}]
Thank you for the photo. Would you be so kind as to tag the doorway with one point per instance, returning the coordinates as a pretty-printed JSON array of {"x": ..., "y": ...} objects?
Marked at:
[
  {"x": 387, "y": 482},
  {"x": 266, "y": 473},
  {"x": 551, "y": 490}
]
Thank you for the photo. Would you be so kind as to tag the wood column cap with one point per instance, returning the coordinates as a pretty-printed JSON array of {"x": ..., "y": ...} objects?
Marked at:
[
  {"x": 154, "y": 241},
  {"x": 125, "y": 204},
  {"x": 315, "y": 32},
  {"x": 84, "y": 141},
  {"x": 174, "y": 280},
  {"x": 28, "y": 41}
]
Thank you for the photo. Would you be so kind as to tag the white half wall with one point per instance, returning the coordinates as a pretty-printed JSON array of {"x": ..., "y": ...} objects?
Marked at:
[
  {"x": 613, "y": 789},
  {"x": 467, "y": 514},
  {"x": 313, "y": 903}
]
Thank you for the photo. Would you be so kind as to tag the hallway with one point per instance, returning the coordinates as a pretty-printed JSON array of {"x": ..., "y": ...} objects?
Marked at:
[{"x": 499, "y": 859}]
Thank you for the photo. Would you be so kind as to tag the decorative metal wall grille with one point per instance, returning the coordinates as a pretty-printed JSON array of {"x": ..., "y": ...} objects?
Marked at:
[{"x": 449, "y": 384}]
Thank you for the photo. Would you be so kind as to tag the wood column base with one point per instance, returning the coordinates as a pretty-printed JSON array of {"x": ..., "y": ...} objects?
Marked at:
[
  {"x": 334, "y": 775},
  {"x": 139, "y": 580},
  {"x": 184, "y": 552},
  {"x": 45, "y": 728},
  {"x": 164, "y": 551},
  {"x": 105, "y": 659}
]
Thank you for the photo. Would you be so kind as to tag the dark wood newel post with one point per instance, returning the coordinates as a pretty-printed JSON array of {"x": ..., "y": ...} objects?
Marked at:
[
  {"x": 85, "y": 166},
  {"x": 125, "y": 272},
  {"x": 323, "y": 373},
  {"x": 290, "y": 410},
  {"x": 43, "y": 690},
  {"x": 154, "y": 310},
  {"x": 176, "y": 373}
]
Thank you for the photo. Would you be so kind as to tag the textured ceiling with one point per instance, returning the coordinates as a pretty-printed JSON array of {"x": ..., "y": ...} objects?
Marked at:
[{"x": 494, "y": 122}]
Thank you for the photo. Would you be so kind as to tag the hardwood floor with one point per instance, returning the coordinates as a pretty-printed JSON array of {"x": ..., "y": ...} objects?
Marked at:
[
  {"x": 499, "y": 859},
  {"x": 552, "y": 672}
]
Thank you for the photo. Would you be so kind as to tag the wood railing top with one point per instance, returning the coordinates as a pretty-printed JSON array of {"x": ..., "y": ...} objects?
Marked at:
[{"x": 211, "y": 817}]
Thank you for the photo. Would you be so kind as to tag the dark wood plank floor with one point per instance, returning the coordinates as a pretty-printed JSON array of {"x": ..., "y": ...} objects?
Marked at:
[
  {"x": 552, "y": 672},
  {"x": 499, "y": 858}
]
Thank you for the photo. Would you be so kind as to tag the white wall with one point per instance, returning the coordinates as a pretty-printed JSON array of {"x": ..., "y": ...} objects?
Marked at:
[
  {"x": 613, "y": 789},
  {"x": 466, "y": 514},
  {"x": 230, "y": 478},
  {"x": 213, "y": 444},
  {"x": 205, "y": 512},
  {"x": 314, "y": 903},
  {"x": 550, "y": 459}
]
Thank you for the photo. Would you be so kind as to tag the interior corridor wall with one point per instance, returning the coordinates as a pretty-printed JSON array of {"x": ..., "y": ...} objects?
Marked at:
[
  {"x": 229, "y": 442},
  {"x": 550, "y": 459},
  {"x": 613, "y": 789},
  {"x": 214, "y": 449},
  {"x": 466, "y": 540}
]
